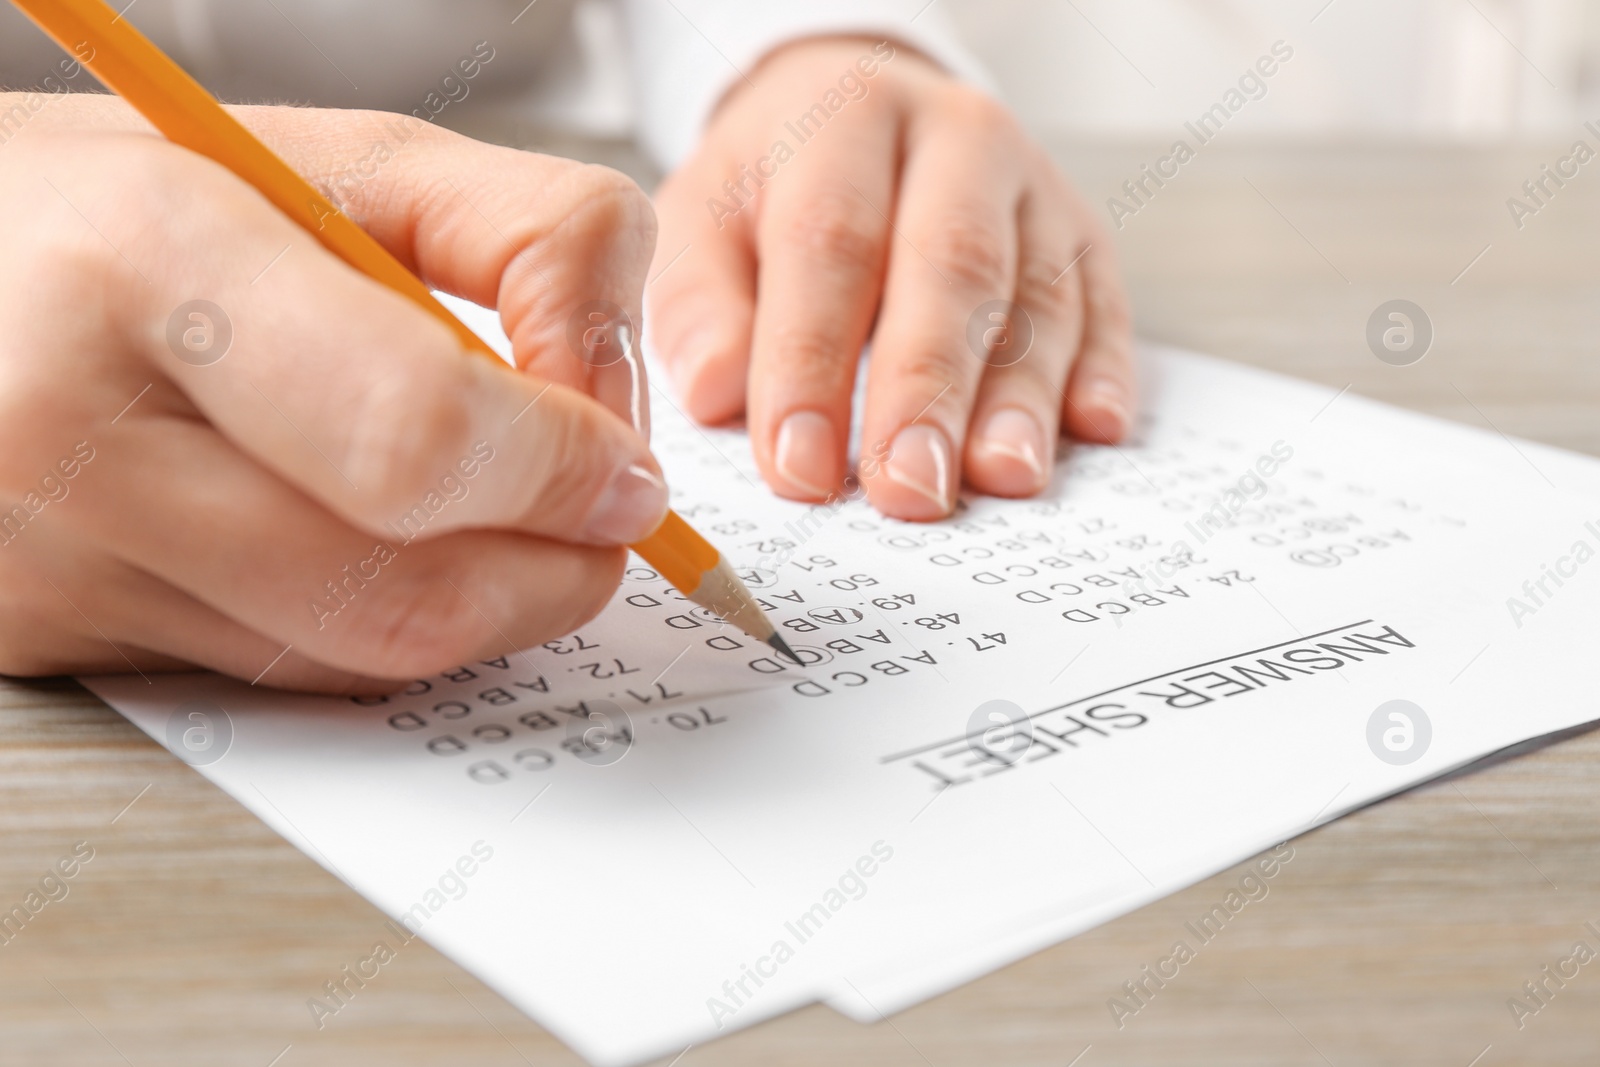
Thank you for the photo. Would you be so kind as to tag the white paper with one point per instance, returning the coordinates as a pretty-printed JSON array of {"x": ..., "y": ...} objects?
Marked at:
[{"x": 634, "y": 885}]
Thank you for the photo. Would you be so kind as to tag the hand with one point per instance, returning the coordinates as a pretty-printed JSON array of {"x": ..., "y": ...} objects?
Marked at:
[
  {"x": 851, "y": 187},
  {"x": 305, "y": 481}
]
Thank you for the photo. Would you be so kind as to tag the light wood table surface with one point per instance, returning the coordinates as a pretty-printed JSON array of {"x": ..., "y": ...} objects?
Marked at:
[{"x": 1395, "y": 935}]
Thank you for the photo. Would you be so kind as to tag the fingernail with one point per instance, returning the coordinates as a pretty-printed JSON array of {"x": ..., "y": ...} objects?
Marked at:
[
  {"x": 919, "y": 460},
  {"x": 806, "y": 456},
  {"x": 629, "y": 509},
  {"x": 1015, "y": 435},
  {"x": 1107, "y": 404}
]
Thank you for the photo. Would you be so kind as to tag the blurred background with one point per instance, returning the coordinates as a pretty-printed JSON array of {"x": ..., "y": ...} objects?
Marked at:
[
  {"x": 1438, "y": 70},
  {"x": 1430, "y": 69}
]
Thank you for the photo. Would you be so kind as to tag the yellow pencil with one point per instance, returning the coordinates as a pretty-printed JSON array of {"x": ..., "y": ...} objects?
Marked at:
[{"x": 134, "y": 68}]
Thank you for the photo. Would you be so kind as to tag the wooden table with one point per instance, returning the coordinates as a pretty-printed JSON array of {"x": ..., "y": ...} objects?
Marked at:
[{"x": 1396, "y": 935}]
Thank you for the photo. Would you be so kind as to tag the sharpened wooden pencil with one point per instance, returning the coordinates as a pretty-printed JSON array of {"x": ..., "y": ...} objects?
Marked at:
[{"x": 134, "y": 68}]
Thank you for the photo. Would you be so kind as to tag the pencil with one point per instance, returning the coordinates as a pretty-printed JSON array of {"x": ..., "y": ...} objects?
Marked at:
[{"x": 134, "y": 68}]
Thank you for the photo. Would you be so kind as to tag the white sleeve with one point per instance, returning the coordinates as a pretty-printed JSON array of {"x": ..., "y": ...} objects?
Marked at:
[{"x": 687, "y": 53}]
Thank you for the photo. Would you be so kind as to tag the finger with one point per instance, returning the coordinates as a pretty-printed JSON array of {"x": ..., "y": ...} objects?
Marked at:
[
  {"x": 299, "y": 576},
  {"x": 547, "y": 241},
  {"x": 1031, "y": 345},
  {"x": 1102, "y": 390},
  {"x": 342, "y": 387},
  {"x": 822, "y": 245},
  {"x": 539, "y": 237},
  {"x": 702, "y": 292},
  {"x": 956, "y": 250},
  {"x": 111, "y": 618}
]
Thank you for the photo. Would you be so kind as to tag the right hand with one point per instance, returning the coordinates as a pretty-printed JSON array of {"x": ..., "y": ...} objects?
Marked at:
[{"x": 179, "y": 510}]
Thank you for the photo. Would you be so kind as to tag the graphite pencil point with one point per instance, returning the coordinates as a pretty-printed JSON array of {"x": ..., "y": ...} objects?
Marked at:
[{"x": 777, "y": 642}]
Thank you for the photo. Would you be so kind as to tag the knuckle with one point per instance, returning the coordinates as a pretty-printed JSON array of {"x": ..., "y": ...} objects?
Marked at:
[
  {"x": 595, "y": 232},
  {"x": 574, "y": 468},
  {"x": 579, "y": 448},
  {"x": 970, "y": 106},
  {"x": 971, "y": 250},
  {"x": 813, "y": 355},
  {"x": 1042, "y": 290},
  {"x": 422, "y": 624},
  {"x": 444, "y": 611},
  {"x": 612, "y": 201},
  {"x": 405, "y": 422},
  {"x": 354, "y": 181},
  {"x": 834, "y": 232},
  {"x": 935, "y": 372},
  {"x": 875, "y": 105}
]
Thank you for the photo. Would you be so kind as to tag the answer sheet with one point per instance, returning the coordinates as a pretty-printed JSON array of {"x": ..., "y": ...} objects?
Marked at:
[{"x": 1009, "y": 726}]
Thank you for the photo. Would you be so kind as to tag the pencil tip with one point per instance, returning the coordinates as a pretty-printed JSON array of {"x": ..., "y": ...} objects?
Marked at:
[{"x": 777, "y": 642}]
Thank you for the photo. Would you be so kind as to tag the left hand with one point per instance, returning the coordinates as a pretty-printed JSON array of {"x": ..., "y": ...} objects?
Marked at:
[{"x": 853, "y": 187}]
